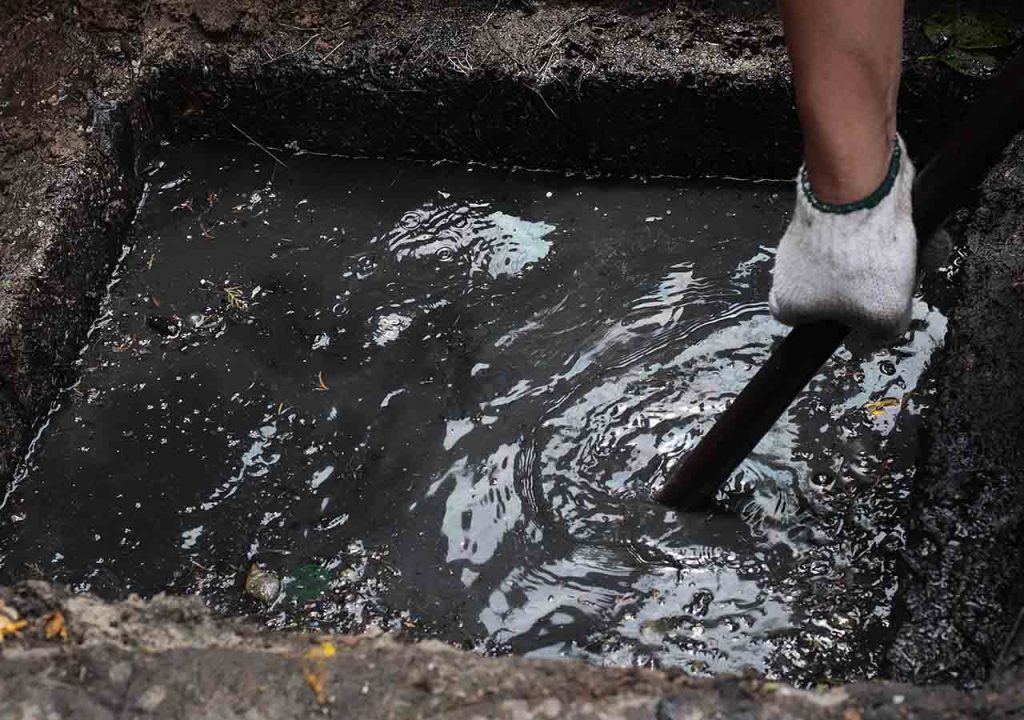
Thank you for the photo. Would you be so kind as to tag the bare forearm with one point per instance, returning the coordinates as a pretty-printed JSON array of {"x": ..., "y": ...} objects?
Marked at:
[{"x": 846, "y": 58}]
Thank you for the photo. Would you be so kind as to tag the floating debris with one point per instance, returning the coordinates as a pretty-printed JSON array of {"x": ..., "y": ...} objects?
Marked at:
[
  {"x": 166, "y": 325},
  {"x": 309, "y": 582},
  {"x": 877, "y": 408},
  {"x": 235, "y": 297}
]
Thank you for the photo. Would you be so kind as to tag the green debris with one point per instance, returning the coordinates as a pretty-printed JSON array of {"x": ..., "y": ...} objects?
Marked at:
[
  {"x": 969, "y": 42},
  {"x": 972, "y": 64},
  {"x": 308, "y": 582}
]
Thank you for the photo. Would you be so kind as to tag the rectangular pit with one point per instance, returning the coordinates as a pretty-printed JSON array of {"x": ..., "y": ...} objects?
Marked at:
[
  {"x": 688, "y": 115},
  {"x": 438, "y": 398}
]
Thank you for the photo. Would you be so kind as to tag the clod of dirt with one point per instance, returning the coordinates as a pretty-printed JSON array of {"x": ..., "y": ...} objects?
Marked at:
[
  {"x": 215, "y": 17},
  {"x": 262, "y": 584}
]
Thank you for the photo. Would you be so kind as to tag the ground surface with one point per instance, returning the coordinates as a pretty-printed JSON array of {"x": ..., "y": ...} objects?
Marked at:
[
  {"x": 87, "y": 88},
  {"x": 168, "y": 658}
]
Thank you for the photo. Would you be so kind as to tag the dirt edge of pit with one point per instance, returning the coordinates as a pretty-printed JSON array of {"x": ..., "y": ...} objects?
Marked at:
[
  {"x": 686, "y": 91},
  {"x": 171, "y": 658}
]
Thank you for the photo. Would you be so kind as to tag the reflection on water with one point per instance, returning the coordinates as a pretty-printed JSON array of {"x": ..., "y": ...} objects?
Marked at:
[{"x": 439, "y": 399}]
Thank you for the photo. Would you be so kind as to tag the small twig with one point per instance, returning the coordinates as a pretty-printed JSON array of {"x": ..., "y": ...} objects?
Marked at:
[
  {"x": 51, "y": 85},
  {"x": 460, "y": 65},
  {"x": 543, "y": 100},
  {"x": 424, "y": 52},
  {"x": 1001, "y": 660},
  {"x": 296, "y": 27},
  {"x": 332, "y": 51},
  {"x": 292, "y": 52},
  {"x": 487, "y": 19},
  {"x": 248, "y": 137}
]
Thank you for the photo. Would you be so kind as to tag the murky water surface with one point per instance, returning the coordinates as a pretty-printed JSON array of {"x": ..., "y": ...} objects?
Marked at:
[{"x": 438, "y": 399}]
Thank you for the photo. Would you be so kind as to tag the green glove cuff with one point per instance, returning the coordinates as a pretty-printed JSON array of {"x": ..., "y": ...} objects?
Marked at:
[{"x": 867, "y": 203}]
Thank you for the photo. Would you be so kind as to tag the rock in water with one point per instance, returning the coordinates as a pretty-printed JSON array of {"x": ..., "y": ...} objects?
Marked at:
[{"x": 262, "y": 584}]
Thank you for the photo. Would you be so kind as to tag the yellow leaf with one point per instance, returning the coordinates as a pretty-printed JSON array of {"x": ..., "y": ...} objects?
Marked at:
[
  {"x": 315, "y": 680},
  {"x": 313, "y": 668},
  {"x": 325, "y": 649},
  {"x": 877, "y": 408},
  {"x": 10, "y": 628},
  {"x": 55, "y": 626}
]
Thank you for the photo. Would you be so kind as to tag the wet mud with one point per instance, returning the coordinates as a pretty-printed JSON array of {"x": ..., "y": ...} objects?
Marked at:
[
  {"x": 439, "y": 398},
  {"x": 962, "y": 549}
]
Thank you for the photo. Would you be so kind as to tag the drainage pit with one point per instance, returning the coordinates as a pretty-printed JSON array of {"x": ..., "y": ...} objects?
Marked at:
[{"x": 436, "y": 398}]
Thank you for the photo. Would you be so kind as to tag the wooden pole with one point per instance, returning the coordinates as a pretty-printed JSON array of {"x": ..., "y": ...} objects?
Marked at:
[{"x": 967, "y": 155}]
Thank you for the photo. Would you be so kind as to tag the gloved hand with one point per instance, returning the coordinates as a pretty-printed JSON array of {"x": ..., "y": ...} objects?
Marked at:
[{"x": 853, "y": 263}]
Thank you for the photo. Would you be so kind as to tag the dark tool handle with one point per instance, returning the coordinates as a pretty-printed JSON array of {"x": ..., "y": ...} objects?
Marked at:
[{"x": 967, "y": 155}]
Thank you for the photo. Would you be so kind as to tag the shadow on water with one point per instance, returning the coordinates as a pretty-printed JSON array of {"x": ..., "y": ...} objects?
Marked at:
[{"x": 438, "y": 398}]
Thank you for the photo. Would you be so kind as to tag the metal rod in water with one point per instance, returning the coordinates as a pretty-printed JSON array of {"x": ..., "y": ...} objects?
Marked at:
[{"x": 967, "y": 155}]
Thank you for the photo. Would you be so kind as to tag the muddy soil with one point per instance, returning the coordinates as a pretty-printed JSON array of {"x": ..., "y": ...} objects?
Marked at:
[
  {"x": 170, "y": 658},
  {"x": 971, "y": 493}
]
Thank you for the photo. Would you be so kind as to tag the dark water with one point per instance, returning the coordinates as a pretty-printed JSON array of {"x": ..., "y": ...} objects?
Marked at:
[{"x": 438, "y": 399}]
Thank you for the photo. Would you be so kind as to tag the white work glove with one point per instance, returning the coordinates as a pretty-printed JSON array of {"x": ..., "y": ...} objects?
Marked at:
[{"x": 855, "y": 263}]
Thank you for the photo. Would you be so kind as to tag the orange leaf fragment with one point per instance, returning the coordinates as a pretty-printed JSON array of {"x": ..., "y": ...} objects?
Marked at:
[
  {"x": 313, "y": 667},
  {"x": 55, "y": 626}
]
